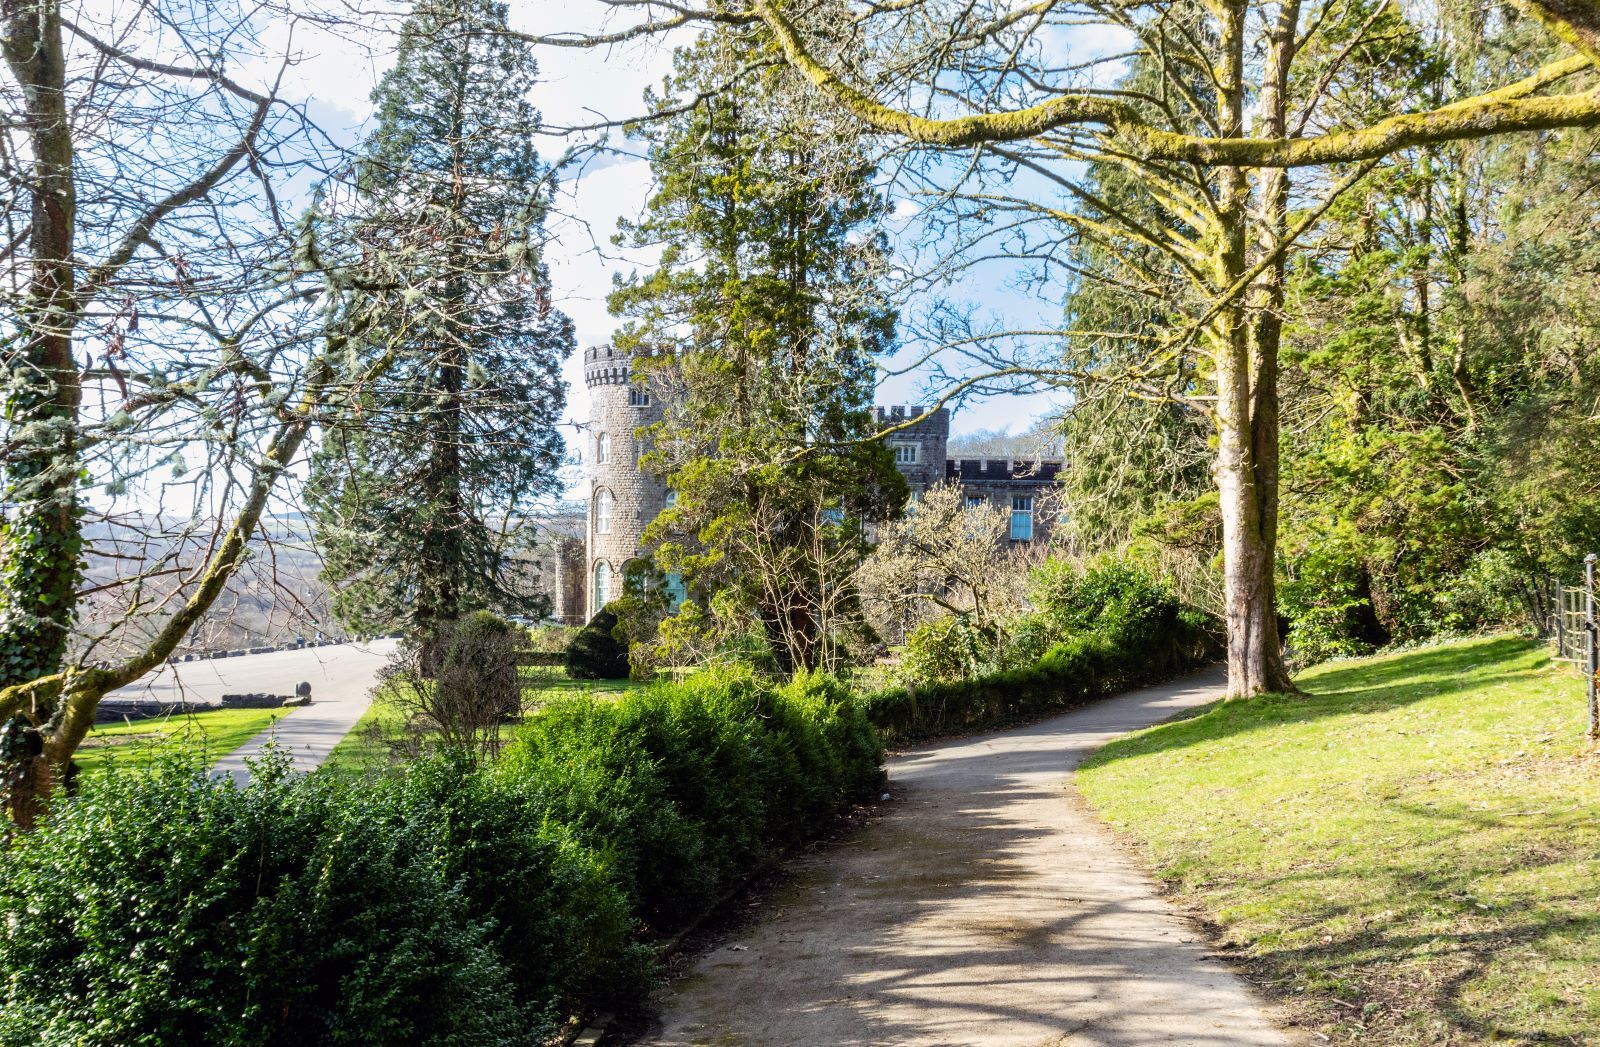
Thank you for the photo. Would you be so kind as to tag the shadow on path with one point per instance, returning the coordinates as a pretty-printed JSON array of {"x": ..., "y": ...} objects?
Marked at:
[{"x": 984, "y": 906}]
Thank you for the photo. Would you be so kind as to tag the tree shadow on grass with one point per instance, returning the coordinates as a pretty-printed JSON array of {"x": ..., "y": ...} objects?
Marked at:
[{"x": 1360, "y": 689}]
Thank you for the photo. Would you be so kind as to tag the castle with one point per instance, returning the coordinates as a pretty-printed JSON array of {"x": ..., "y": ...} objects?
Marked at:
[{"x": 623, "y": 498}]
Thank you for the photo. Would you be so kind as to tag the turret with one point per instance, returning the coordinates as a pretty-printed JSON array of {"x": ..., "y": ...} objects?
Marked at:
[{"x": 622, "y": 498}]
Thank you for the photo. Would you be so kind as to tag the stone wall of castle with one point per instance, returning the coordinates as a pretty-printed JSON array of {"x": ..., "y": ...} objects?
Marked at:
[
  {"x": 920, "y": 447},
  {"x": 623, "y": 499}
]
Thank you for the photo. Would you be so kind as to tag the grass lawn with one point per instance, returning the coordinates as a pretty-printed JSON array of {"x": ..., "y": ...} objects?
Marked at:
[
  {"x": 370, "y": 744},
  {"x": 1411, "y": 855},
  {"x": 136, "y": 743}
]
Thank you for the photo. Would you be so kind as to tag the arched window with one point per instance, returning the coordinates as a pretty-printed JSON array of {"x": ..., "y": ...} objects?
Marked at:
[
  {"x": 602, "y": 449},
  {"x": 603, "y": 502},
  {"x": 602, "y": 585}
]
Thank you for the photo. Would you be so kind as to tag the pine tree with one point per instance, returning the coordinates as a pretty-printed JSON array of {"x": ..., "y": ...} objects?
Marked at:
[
  {"x": 420, "y": 483},
  {"x": 765, "y": 316}
]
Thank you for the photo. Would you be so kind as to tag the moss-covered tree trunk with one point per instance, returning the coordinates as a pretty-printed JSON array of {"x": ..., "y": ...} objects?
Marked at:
[{"x": 40, "y": 540}]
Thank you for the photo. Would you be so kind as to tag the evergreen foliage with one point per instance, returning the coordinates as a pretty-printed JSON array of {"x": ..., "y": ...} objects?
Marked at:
[
  {"x": 1091, "y": 632},
  {"x": 416, "y": 480},
  {"x": 442, "y": 905},
  {"x": 763, "y": 318},
  {"x": 597, "y": 652}
]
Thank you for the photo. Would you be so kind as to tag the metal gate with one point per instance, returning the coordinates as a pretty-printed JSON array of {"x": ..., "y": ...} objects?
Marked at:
[{"x": 1576, "y": 639}]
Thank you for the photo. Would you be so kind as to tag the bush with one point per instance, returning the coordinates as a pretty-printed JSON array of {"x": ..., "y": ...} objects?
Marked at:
[
  {"x": 596, "y": 653},
  {"x": 170, "y": 908},
  {"x": 441, "y": 905},
  {"x": 1111, "y": 627},
  {"x": 686, "y": 786},
  {"x": 471, "y": 688},
  {"x": 942, "y": 649}
]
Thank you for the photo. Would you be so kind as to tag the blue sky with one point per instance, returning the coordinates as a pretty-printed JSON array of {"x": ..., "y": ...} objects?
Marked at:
[{"x": 582, "y": 86}]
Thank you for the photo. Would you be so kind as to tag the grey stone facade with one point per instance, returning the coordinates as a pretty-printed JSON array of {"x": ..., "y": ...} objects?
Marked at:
[{"x": 623, "y": 499}]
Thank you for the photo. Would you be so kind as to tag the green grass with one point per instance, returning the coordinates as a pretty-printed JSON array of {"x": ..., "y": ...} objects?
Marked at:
[
  {"x": 1410, "y": 855},
  {"x": 371, "y": 743},
  {"x": 121, "y": 746}
]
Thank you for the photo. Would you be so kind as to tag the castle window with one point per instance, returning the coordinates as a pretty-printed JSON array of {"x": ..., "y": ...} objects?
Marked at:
[
  {"x": 906, "y": 453},
  {"x": 638, "y": 397},
  {"x": 975, "y": 501},
  {"x": 1022, "y": 517},
  {"x": 677, "y": 592},
  {"x": 602, "y": 449},
  {"x": 670, "y": 500},
  {"x": 602, "y": 585},
  {"x": 603, "y": 502}
]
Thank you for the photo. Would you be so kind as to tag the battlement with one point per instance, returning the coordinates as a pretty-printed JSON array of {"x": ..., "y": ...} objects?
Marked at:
[
  {"x": 606, "y": 365},
  {"x": 884, "y": 415},
  {"x": 1010, "y": 471}
]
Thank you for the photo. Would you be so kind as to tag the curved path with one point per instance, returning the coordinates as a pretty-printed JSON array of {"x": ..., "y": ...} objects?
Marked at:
[
  {"x": 341, "y": 678},
  {"x": 986, "y": 906}
]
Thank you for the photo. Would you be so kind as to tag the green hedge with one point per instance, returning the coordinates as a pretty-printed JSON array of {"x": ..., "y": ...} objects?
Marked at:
[
  {"x": 1116, "y": 628},
  {"x": 441, "y": 905}
]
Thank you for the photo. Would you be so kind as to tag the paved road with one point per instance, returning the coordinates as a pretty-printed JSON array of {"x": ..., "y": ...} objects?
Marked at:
[
  {"x": 340, "y": 675},
  {"x": 986, "y": 906}
]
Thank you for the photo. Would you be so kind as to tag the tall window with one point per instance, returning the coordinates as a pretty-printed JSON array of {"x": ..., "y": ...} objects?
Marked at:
[
  {"x": 677, "y": 592},
  {"x": 602, "y": 448},
  {"x": 1022, "y": 517},
  {"x": 603, "y": 502},
  {"x": 906, "y": 453},
  {"x": 638, "y": 397},
  {"x": 602, "y": 585}
]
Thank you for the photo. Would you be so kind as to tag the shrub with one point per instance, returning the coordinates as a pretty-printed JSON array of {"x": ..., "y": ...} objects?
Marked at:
[
  {"x": 470, "y": 690},
  {"x": 1110, "y": 627},
  {"x": 686, "y": 786},
  {"x": 596, "y": 653},
  {"x": 942, "y": 649},
  {"x": 170, "y": 908},
  {"x": 557, "y": 918},
  {"x": 441, "y": 905}
]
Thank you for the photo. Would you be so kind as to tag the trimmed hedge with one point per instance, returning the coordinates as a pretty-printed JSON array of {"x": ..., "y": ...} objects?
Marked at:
[
  {"x": 441, "y": 905},
  {"x": 1119, "y": 629},
  {"x": 684, "y": 787}
]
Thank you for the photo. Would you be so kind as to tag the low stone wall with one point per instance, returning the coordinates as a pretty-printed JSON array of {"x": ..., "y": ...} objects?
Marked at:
[{"x": 120, "y": 709}]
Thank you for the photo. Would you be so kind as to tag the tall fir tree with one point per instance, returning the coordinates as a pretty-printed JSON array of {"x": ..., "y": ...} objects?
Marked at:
[
  {"x": 764, "y": 316},
  {"x": 420, "y": 484}
]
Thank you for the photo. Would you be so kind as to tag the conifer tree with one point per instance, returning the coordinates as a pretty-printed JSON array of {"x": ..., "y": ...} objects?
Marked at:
[
  {"x": 764, "y": 316},
  {"x": 419, "y": 486}
]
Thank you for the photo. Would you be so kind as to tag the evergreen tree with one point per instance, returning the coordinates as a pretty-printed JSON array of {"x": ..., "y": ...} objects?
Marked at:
[
  {"x": 764, "y": 317},
  {"x": 419, "y": 485}
]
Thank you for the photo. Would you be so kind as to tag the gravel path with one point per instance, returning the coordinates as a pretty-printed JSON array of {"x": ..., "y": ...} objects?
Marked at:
[{"x": 986, "y": 906}]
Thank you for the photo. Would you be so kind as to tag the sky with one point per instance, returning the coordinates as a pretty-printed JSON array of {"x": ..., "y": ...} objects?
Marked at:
[{"x": 335, "y": 74}]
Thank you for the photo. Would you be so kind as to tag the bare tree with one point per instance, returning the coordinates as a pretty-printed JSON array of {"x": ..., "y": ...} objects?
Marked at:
[{"x": 165, "y": 350}]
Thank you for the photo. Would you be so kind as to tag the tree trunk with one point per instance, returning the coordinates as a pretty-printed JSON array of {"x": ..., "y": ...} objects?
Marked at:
[
  {"x": 41, "y": 542},
  {"x": 1244, "y": 338}
]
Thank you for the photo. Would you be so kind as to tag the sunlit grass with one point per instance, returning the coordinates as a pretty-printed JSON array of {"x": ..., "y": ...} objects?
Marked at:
[
  {"x": 1410, "y": 854},
  {"x": 372, "y": 744},
  {"x": 135, "y": 743}
]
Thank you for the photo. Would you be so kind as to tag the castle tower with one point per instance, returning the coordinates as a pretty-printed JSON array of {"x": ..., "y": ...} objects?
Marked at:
[
  {"x": 622, "y": 498},
  {"x": 920, "y": 450}
]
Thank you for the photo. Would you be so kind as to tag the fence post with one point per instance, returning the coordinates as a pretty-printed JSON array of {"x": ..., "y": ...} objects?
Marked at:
[
  {"x": 1592, "y": 652},
  {"x": 1561, "y": 617}
]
